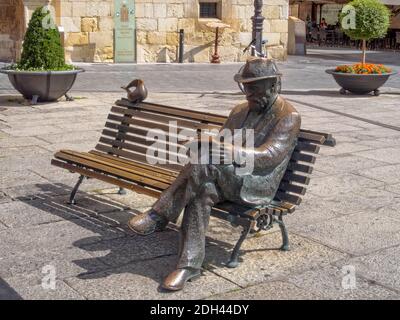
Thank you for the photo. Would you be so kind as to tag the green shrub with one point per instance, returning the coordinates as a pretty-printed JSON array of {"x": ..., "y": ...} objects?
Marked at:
[
  {"x": 372, "y": 20},
  {"x": 42, "y": 48}
]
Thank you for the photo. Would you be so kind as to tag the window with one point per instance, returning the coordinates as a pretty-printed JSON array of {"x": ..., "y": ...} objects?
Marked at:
[{"x": 208, "y": 10}]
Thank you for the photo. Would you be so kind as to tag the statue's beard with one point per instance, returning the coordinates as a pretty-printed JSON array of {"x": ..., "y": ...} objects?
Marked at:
[{"x": 261, "y": 103}]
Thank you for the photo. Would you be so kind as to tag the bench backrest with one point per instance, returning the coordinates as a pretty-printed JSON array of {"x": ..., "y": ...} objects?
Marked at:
[{"x": 126, "y": 136}]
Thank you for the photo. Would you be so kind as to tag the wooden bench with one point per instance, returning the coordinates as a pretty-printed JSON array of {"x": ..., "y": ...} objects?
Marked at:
[{"x": 120, "y": 159}]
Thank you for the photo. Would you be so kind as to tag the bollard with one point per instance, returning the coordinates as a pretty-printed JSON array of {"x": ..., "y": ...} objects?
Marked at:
[{"x": 181, "y": 40}]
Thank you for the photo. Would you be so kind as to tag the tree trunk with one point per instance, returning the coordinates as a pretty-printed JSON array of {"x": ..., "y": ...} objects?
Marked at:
[{"x": 364, "y": 48}]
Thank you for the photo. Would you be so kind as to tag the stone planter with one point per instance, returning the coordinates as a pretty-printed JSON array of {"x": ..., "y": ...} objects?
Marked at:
[
  {"x": 42, "y": 85},
  {"x": 359, "y": 83}
]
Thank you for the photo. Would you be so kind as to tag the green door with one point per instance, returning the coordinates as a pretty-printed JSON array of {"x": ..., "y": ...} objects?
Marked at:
[{"x": 124, "y": 34}]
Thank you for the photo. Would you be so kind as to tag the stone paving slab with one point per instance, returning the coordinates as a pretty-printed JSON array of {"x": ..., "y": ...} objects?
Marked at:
[
  {"x": 389, "y": 174},
  {"x": 340, "y": 184},
  {"x": 360, "y": 233},
  {"x": 389, "y": 155},
  {"x": 36, "y": 191},
  {"x": 25, "y": 162},
  {"x": 26, "y": 152},
  {"x": 29, "y": 131},
  {"x": 44, "y": 210},
  {"x": 327, "y": 282},
  {"x": 4, "y": 198},
  {"x": 18, "y": 214},
  {"x": 16, "y": 178},
  {"x": 363, "y": 200},
  {"x": 141, "y": 280},
  {"x": 71, "y": 261},
  {"x": 395, "y": 188},
  {"x": 263, "y": 261},
  {"x": 382, "y": 267},
  {"x": 2, "y": 226},
  {"x": 343, "y": 148},
  {"x": 381, "y": 142},
  {"x": 126, "y": 250},
  {"x": 271, "y": 290},
  {"x": 72, "y": 136},
  {"x": 343, "y": 163},
  {"x": 57, "y": 235},
  {"x": 29, "y": 287},
  {"x": 82, "y": 146},
  {"x": 130, "y": 200},
  {"x": 15, "y": 142}
]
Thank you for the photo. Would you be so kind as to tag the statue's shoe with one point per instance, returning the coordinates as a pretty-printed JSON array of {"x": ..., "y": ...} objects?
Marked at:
[
  {"x": 147, "y": 223},
  {"x": 177, "y": 279}
]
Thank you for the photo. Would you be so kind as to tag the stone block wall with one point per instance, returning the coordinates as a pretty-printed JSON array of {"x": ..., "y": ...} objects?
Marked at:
[
  {"x": 158, "y": 23},
  {"x": 89, "y": 24},
  {"x": 88, "y": 27}
]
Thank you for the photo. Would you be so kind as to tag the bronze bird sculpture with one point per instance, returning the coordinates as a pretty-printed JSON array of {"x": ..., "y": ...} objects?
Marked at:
[{"x": 137, "y": 95}]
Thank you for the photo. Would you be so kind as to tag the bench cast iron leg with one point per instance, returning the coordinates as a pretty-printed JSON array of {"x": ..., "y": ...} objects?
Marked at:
[
  {"x": 68, "y": 97},
  {"x": 122, "y": 191},
  {"x": 234, "y": 260},
  {"x": 35, "y": 99},
  {"x": 285, "y": 237},
  {"x": 74, "y": 191}
]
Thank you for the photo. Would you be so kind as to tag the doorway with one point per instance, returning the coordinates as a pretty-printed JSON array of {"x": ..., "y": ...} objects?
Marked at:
[{"x": 12, "y": 29}]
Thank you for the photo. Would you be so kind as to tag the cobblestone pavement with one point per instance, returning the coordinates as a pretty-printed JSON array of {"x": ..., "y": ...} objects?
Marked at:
[{"x": 349, "y": 219}]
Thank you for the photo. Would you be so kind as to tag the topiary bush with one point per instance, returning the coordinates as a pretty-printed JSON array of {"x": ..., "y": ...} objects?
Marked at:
[
  {"x": 42, "y": 48},
  {"x": 372, "y": 20}
]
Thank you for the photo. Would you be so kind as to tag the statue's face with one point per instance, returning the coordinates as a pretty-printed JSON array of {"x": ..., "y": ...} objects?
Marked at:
[{"x": 259, "y": 94}]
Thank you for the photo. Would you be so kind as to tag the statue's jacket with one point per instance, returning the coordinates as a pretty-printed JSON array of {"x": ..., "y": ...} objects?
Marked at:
[{"x": 275, "y": 137}]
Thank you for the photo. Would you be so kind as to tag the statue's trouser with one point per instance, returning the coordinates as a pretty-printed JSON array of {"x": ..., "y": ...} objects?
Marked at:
[{"x": 195, "y": 190}]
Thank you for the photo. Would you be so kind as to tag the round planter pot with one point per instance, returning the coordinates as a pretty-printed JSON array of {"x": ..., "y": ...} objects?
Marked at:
[
  {"x": 42, "y": 85},
  {"x": 359, "y": 83}
]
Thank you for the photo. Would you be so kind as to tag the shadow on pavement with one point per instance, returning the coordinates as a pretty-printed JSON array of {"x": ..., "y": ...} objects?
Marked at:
[
  {"x": 8, "y": 293},
  {"x": 107, "y": 219}
]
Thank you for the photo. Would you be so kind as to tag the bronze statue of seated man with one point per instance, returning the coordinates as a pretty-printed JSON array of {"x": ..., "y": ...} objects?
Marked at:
[{"x": 199, "y": 187}]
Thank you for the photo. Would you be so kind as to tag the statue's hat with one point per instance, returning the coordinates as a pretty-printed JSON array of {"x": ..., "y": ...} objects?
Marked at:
[{"x": 257, "y": 69}]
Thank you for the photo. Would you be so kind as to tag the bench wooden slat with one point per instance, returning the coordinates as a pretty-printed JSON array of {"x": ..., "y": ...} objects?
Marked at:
[
  {"x": 184, "y": 113},
  {"x": 294, "y": 177},
  {"x": 284, "y": 186},
  {"x": 166, "y": 171},
  {"x": 141, "y": 140},
  {"x": 294, "y": 166},
  {"x": 125, "y": 128},
  {"x": 165, "y": 119},
  {"x": 135, "y": 156},
  {"x": 329, "y": 140},
  {"x": 303, "y": 157},
  {"x": 138, "y": 148},
  {"x": 288, "y": 197},
  {"x": 289, "y": 207},
  {"x": 107, "y": 169},
  {"x": 312, "y": 137},
  {"x": 106, "y": 178},
  {"x": 234, "y": 208},
  {"x": 141, "y": 171},
  {"x": 307, "y": 147},
  {"x": 143, "y": 124}
]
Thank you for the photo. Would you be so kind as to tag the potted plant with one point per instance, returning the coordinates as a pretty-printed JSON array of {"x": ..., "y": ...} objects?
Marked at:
[
  {"x": 42, "y": 74},
  {"x": 371, "y": 21}
]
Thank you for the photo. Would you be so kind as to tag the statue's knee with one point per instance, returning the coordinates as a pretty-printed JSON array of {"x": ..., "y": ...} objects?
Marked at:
[{"x": 209, "y": 193}]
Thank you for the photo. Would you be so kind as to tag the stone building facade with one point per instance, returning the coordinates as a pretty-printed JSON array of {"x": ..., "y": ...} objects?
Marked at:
[{"x": 89, "y": 28}]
